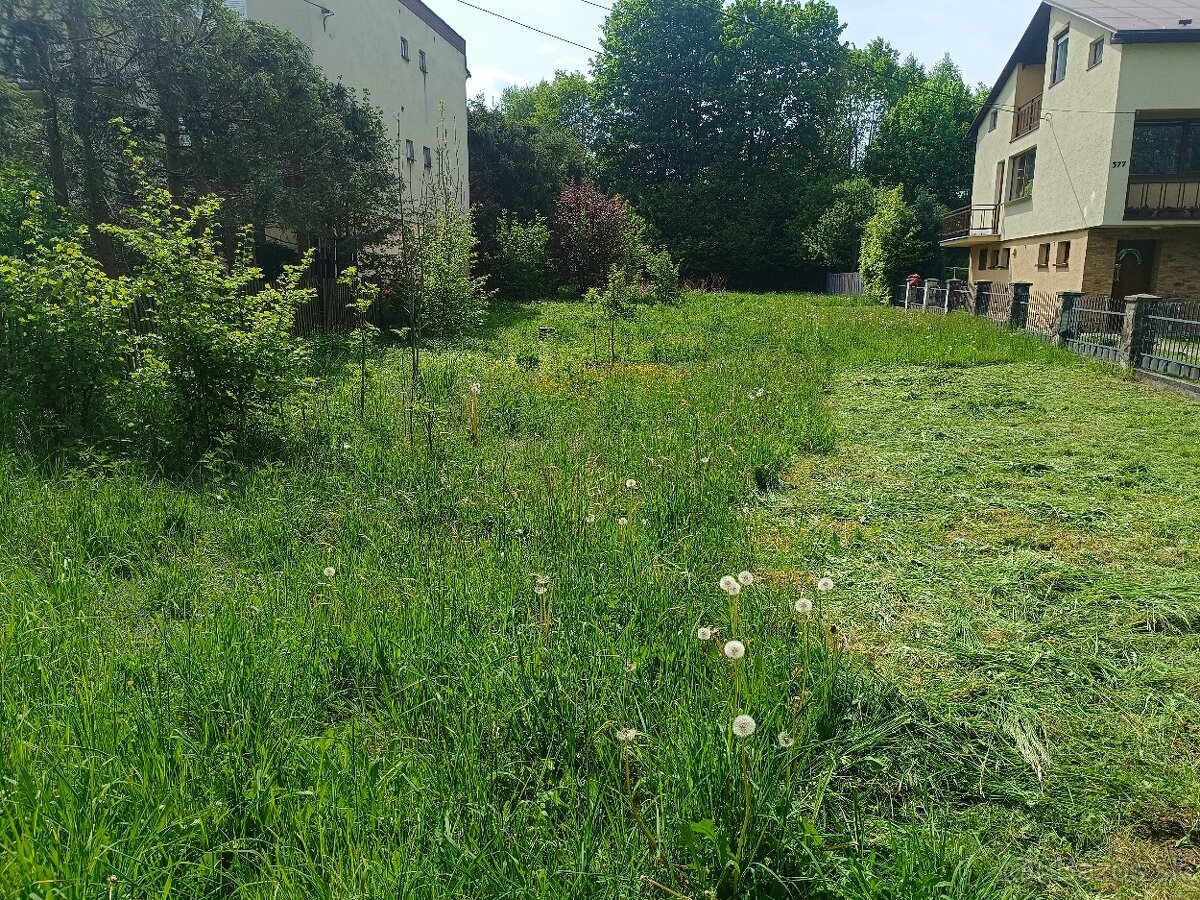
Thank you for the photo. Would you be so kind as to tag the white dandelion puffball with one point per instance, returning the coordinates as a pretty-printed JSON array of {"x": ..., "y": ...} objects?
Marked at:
[
  {"x": 631, "y": 667},
  {"x": 825, "y": 585},
  {"x": 627, "y": 735},
  {"x": 744, "y": 726},
  {"x": 631, "y": 483},
  {"x": 730, "y": 585},
  {"x": 704, "y": 634},
  {"x": 623, "y": 521},
  {"x": 540, "y": 590},
  {"x": 475, "y": 388},
  {"x": 330, "y": 572},
  {"x": 804, "y": 606},
  {"x": 745, "y": 579},
  {"x": 591, "y": 518},
  {"x": 786, "y": 741},
  {"x": 760, "y": 393},
  {"x": 704, "y": 460},
  {"x": 735, "y": 650}
]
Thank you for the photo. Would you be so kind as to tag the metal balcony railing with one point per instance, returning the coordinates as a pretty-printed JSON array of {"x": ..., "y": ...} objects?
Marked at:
[{"x": 971, "y": 221}]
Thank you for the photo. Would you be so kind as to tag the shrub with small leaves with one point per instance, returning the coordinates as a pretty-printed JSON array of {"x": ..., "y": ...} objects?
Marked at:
[{"x": 522, "y": 262}]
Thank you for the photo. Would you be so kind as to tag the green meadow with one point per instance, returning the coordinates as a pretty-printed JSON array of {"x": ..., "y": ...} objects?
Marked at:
[{"x": 455, "y": 654}]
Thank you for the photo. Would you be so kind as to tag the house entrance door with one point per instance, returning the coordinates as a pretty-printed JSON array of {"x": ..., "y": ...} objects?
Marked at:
[{"x": 1134, "y": 269}]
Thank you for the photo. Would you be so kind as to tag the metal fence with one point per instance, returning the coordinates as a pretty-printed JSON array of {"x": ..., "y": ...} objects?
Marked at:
[
  {"x": 1093, "y": 326},
  {"x": 1170, "y": 343},
  {"x": 847, "y": 284}
]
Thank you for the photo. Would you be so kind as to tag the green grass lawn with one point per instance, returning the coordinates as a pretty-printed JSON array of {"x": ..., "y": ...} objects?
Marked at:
[{"x": 998, "y": 699}]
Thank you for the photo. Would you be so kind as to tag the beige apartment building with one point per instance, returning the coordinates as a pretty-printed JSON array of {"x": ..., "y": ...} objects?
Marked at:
[
  {"x": 1087, "y": 169},
  {"x": 413, "y": 64}
]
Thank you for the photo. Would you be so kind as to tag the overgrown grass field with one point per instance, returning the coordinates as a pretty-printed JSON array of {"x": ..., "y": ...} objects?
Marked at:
[{"x": 413, "y": 665}]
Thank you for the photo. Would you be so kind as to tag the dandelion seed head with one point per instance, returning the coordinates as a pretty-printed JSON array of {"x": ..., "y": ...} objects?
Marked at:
[
  {"x": 475, "y": 388},
  {"x": 735, "y": 650},
  {"x": 631, "y": 483},
  {"x": 731, "y": 586},
  {"x": 804, "y": 606},
  {"x": 760, "y": 393},
  {"x": 623, "y": 521},
  {"x": 825, "y": 585},
  {"x": 627, "y": 735},
  {"x": 704, "y": 634},
  {"x": 704, "y": 460},
  {"x": 111, "y": 880},
  {"x": 745, "y": 579},
  {"x": 631, "y": 667},
  {"x": 540, "y": 590},
  {"x": 330, "y": 571},
  {"x": 591, "y": 518},
  {"x": 786, "y": 741},
  {"x": 744, "y": 726}
]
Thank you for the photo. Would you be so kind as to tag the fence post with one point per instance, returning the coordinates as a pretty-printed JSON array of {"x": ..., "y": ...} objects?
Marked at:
[
  {"x": 955, "y": 291},
  {"x": 1133, "y": 330},
  {"x": 910, "y": 298},
  {"x": 931, "y": 285},
  {"x": 1066, "y": 322},
  {"x": 983, "y": 292},
  {"x": 1018, "y": 309}
]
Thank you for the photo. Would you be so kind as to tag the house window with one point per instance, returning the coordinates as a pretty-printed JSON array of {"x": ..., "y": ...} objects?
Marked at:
[
  {"x": 1005, "y": 258},
  {"x": 404, "y": 49},
  {"x": 410, "y": 151},
  {"x": 995, "y": 259},
  {"x": 983, "y": 258},
  {"x": 1166, "y": 148},
  {"x": 1044, "y": 256},
  {"x": 1062, "y": 49},
  {"x": 1021, "y": 185},
  {"x": 1064, "y": 255},
  {"x": 428, "y": 158},
  {"x": 421, "y": 57},
  {"x": 995, "y": 120},
  {"x": 1096, "y": 53}
]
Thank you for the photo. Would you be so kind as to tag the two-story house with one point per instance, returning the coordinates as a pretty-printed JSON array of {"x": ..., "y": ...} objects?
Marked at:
[
  {"x": 1087, "y": 169},
  {"x": 411, "y": 62}
]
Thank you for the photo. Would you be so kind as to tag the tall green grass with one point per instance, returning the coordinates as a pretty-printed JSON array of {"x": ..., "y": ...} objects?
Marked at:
[{"x": 191, "y": 707}]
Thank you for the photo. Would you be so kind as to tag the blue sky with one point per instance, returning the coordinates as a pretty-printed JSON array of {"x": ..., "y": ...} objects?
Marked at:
[{"x": 979, "y": 34}]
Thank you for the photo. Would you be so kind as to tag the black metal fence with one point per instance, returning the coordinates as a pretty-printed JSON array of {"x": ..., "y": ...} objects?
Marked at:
[
  {"x": 846, "y": 284},
  {"x": 1153, "y": 334}
]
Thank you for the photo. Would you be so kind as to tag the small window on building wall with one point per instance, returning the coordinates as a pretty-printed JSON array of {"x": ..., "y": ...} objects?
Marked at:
[
  {"x": 994, "y": 121},
  {"x": 1062, "y": 50},
  {"x": 983, "y": 258},
  {"x": 995, "y": 259},
  {"x": 410, "y": 151},
  {"x": 1096, "y": 53},
  {"x": 1044, "y": 256},
  {"x": 1005, "y": 258},
  {"x": 1022, "y": 175},
  {"x": 428, "y": 158},
  {"x": 1064, "y": 255},
  {"x": 423, "y": 63},
  {"x": 404, "y": 49}
]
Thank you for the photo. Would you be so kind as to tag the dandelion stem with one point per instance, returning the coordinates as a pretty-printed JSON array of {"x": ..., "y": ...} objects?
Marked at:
[
  {"x": 746, "y": 821},
  {"x": 666, "y": 890},
  {"x": 637, "y": 816}
]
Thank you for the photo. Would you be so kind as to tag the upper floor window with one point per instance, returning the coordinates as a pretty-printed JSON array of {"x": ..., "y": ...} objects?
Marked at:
[
  {"x": 1169, "y": 149},
  {"x": 1022, "y": 175},
  {"x": 1062, "y": 50},
  {"x": 994, "y": 121},
  {"x": 404, "y": 48},
  {"x": 423, "y": 63},
  {"x": 1096, "y": 53},
  {"x": 428, "y": 158},
  {"x": 410, "y": 151}
]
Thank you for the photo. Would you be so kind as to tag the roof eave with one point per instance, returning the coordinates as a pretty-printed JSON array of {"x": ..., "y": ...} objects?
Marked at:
[{"x": 1158, "y": 36}]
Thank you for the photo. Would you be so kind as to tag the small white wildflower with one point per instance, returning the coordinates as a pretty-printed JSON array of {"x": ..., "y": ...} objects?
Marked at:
[
  {"x": 591, "y": 518},
  {"x": 704, "y": 634},
  {"x": 543, "y": 579},
  {"x": 330, "y": 571},
  {"x": 825, "y": 585},
  {"x": 735, "y": 650},
  {"x": 804, "y": 606},
  {"x": 786, "y": 741},
  {"x": 760, "y": 393},
  {"x": 627, "y": 735},
  {"x": 704, "y": 460},
  {"x": 744, "y": 726},
  {"x": 475, "y": 388},
  {"x": 730, "y": 585},
  {"x": 631, "y": 483},
  {"x": 745, "y": 579},
  {"x": 631, "y": 667},
  {"x": 346, "y": 446},
  {"x": 623, "y": 521},
  {"x": 540, "y": 590}
]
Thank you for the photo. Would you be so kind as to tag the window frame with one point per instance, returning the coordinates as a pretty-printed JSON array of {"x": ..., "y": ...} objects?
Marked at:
[
  {"x": 1189, "y": 139},
  {"x": 1093, "y": 59},
  {"x": 1062, "y": 50},
  {"x": 1026, "y": 178},
  {"x": 410, "y": 151},
  {"x": 994, "y": 121},
  {"x": 423, "y": 61},
  {"x": 427, "y": 154},
  {"x": 405, "y": 53},
  {"x": 1005, "y": 260},
  {"x": 1062, "y": 255},
  {"x": 1044, "y": 251},
  {"x": 982, "y": 261}
]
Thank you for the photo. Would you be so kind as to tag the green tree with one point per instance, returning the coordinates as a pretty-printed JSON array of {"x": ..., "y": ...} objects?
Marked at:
[
  {"x": 835, "y": 240},
  {"x": 892, "y": 245},
  {"x": 922, "y": 142}
]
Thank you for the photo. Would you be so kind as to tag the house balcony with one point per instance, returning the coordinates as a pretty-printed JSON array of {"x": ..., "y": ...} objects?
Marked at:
[
  {"x": 1028, "y": 118},
  {"x": 1166, "y": 198},
  {"x": 971, "y": 225}
]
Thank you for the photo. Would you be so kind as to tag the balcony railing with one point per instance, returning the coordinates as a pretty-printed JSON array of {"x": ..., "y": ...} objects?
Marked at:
[
  {"x": 1163, "y": 200},
  {"x": 971, "y": 221},
  {"x": 1029, "y": 117}
]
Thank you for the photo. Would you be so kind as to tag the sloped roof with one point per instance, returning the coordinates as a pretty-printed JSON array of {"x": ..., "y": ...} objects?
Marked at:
[
  {"x": 1130, "y": 21},
  {"x": 437, "y": 23}
]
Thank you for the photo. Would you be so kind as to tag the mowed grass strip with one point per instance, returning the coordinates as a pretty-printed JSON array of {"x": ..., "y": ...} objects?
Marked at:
[{"x": 193, "y": 707}]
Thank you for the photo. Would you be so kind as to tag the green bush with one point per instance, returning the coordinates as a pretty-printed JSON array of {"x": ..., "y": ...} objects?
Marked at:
[
  {"x": 892, "y": 245},
  {"x": 219, "y": 356},
  {"x": 452, "y": 299},
  {"x": 662, "y": 276},
  {"x": 522, "y": 262}
]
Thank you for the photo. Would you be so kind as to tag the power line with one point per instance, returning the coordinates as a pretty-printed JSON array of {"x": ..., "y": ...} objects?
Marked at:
[{"x": 530, "y": 27}]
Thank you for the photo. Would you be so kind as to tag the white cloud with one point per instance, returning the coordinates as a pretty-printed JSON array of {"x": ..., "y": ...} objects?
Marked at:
[{"x": 491, "y": 81}]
